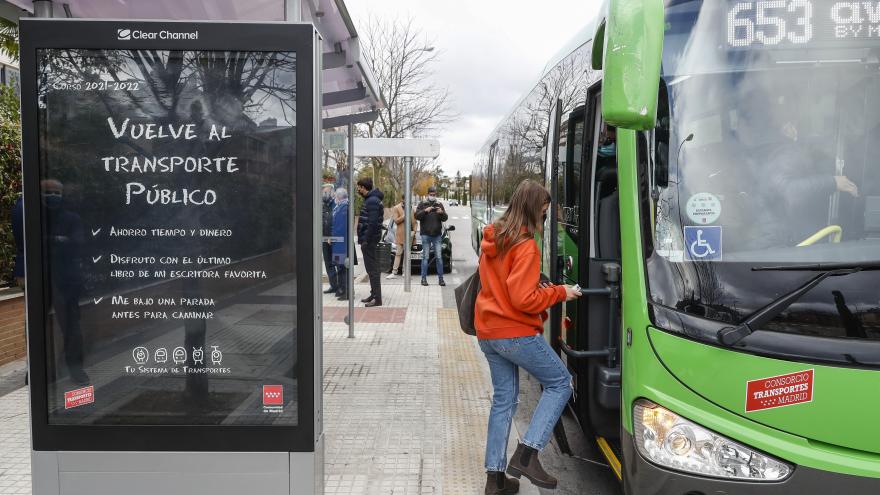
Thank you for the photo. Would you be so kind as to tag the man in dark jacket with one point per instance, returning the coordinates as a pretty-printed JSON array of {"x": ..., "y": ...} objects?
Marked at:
[
  {"x": 431, "y": 214},
  {"x": 369, "y": 234},
  {"x": 65, "y": 237},
  {"x": 329, "y": 202},
  {"x": 797, "y": 184}
]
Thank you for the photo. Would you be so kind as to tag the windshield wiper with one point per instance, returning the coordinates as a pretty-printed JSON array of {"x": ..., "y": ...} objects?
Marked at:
[
  {"x": 820, "y": 267},
  {"x": 731, "y": 335}
]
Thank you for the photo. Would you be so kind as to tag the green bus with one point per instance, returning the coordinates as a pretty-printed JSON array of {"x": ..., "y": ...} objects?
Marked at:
[{"x": 716, "y": 192}]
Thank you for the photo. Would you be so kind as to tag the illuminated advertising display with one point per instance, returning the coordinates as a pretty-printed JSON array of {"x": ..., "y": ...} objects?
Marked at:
[{"x": 169, "y": 180}]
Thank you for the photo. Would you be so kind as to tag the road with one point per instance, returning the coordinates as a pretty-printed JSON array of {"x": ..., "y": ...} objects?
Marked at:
[{"x": 578, "y": 474}]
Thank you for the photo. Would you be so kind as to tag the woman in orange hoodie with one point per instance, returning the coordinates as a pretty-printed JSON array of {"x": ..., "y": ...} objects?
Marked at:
[{"x": 509, "y": 315}]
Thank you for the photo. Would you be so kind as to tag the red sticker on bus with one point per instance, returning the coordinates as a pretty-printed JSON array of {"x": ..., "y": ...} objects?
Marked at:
[
  {"x": 779, "y": 391},
  {"x": 79, "y": 397}
]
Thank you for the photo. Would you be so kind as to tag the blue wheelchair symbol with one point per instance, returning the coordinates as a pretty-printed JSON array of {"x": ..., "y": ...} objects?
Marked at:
[{"x": 703, "y": 242}]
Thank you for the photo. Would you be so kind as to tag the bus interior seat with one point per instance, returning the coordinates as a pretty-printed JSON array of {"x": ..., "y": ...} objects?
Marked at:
[{"x": 607, "y": 214}]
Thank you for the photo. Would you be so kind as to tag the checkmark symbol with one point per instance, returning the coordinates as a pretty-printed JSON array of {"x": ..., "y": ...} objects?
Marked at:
[
  {"x": 96, "y": 232},
  {"x": 95, "y": 260},
  {"x": 98, "y": 300}
]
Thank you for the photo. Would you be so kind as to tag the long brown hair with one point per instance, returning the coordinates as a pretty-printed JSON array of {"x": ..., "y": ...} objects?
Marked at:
[{"x": 523, "y": 217}]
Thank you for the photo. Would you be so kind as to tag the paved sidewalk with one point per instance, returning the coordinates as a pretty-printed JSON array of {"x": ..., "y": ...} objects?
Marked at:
[
  {"x": 406, "y": 402},
  {"x": 15, "y": 443}
]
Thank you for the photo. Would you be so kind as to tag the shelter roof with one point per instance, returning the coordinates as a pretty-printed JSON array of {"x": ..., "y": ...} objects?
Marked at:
[{"x": 349, "y": 88}]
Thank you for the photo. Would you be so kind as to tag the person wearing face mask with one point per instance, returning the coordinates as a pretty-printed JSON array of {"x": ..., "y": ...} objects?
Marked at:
[
  {"x": 339, "y": 233},
  {"x": 796, "y": 188},
  {"x": 509, "y": 316},
  {"x": 66, "y": 236},
  {"x": 369, "y": 234},
  {"x": 608, "y": 142},
  {"x": 431, "y": 214},
  {"x": 328, "y": 204},
  {"x": 399, "y": 216}
]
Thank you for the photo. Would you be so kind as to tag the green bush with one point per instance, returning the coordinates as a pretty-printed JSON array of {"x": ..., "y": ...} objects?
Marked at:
[{"x": 10, "y": 176}]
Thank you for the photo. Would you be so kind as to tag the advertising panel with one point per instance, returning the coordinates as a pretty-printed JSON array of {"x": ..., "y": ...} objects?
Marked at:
[{"x": 168, "y": 188}]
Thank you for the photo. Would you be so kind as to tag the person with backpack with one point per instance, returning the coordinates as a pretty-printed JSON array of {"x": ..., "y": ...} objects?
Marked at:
[{"x": 510, "y": 311}]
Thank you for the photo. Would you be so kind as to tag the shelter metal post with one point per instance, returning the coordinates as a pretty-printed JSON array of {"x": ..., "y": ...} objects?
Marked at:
[
  {"x": 293, "y": 10},
  {"x": 43, "y": 8},
  {"x": 407, "y": 238},
  {"x": 350, "y": 227}
]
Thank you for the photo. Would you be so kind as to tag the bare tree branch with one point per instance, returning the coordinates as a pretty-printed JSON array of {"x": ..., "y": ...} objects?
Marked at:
[{"x": 403, "y": 62}]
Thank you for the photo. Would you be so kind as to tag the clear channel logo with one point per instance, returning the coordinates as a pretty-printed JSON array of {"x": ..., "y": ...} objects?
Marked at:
[{"x": 126, "y": 34}]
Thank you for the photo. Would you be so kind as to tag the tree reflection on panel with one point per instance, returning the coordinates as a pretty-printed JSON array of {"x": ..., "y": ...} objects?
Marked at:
[{"x": 168, "y": 184}]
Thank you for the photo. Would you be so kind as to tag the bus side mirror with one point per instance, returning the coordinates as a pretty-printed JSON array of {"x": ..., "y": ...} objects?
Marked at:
[{"x": 628, "y": 47}]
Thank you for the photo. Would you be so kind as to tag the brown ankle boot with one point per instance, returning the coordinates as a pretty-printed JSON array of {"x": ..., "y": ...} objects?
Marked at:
[
  {"x": 498, "y": 484},
  {"x": 525, "y": 463}
]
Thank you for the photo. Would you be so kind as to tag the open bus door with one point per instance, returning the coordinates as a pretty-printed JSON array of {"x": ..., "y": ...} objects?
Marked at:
[{"x": 589, "y": 254}]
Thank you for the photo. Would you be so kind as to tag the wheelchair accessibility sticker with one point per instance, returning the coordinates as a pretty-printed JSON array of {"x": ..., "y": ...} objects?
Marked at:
[{"x": 703, "y": 242}]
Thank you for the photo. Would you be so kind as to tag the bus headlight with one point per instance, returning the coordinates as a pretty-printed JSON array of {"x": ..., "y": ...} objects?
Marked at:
[{"x": 671, "y": 441}]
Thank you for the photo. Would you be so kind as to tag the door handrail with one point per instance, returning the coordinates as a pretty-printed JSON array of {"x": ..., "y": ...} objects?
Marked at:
[{"x": 612, "y": 290}]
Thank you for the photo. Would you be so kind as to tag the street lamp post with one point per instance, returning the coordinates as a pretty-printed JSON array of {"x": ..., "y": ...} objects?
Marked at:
[{"x": 407, "y": 237}]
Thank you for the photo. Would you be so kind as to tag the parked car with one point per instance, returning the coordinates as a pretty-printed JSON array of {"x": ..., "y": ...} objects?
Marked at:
[{"x": 453, "y": 202}]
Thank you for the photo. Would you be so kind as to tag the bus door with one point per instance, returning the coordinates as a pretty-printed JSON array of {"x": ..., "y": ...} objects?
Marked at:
[
  {"x": 569, "y": 198},
  {"x": 550, "y": 239},
  {"x": 490, "y": 191},
  {"x": 591, "y": 335}
]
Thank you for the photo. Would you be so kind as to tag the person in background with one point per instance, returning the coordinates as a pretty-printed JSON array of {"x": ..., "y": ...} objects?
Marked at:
[
  {"x": 340, "y": 239},
  {"x": 799, "y": 181},
  {"x": 509, "y": 317},
  {"x": 399, "y": 216},
  {"x": 431, "y": 214},
  {"x": 608, "y": 142},
  {"x": 18, "y": 235},
  {"x": 369, "y": 232},
  {"x": 65, "y": 237},
  {"x": 328, "y": 205}
]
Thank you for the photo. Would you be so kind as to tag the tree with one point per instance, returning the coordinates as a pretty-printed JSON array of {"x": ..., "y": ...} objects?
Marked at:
[
  {"x": 403, "y": 62},
  {"x": 9, "y": 38},
  {"x": 10, "y": 175}
]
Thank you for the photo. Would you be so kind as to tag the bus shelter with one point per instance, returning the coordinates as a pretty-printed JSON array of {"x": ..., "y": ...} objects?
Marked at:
[{"x": 171, "y": 177}]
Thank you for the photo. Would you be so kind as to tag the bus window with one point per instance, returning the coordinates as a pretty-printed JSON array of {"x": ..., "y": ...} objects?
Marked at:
[
  {"x": 571, "y": 169},
  {"x": 605, "y": 216}
]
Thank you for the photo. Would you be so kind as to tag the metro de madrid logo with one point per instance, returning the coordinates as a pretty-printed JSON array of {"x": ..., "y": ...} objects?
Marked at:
[{"x": 123, "y": 34}]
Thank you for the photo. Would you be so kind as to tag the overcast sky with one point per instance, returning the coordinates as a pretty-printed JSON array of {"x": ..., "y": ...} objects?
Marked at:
[{"x": 490, "y": 53}]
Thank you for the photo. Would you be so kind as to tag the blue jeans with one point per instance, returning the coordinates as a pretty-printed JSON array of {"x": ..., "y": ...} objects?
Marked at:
[
  {"x": 427, "y": 242},
  {"x": 535, "y": 355}
]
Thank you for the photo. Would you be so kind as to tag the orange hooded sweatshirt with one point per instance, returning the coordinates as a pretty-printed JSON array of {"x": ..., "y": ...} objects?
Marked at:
[{"x": 510, "y": 303}]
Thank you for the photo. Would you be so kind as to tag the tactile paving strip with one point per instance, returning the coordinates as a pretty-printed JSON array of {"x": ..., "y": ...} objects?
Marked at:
[{"x": 466, "y": 394}]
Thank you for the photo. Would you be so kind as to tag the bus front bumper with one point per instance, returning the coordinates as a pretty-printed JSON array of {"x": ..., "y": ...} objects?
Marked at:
[{"x": 641, "y": 477}]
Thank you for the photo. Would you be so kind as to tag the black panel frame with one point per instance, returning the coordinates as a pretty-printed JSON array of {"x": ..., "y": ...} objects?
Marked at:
[{"x": 301, "y": 39}]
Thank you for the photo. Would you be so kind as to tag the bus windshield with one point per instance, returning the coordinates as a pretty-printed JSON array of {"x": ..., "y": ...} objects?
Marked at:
[
  {"x": 767, "y": 151},
  {"x": 773, "y": 143}
]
